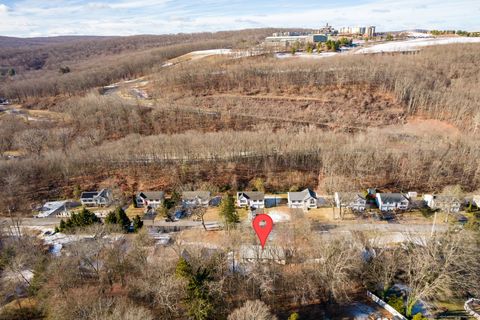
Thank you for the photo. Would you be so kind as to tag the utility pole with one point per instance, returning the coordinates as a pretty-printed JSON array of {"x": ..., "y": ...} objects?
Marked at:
[{"x": 433, "y": 225}]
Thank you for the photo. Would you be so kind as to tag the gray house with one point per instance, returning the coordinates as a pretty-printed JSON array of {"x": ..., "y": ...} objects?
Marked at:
[
  {"x": 351, "y": 200},
  {"x": 306, "y": 199},
  {"x": 391, "y": 201},
  {"x": 152, "y": 199},
  {"x": 251, "y": 199},
  {"x": 445, "y": 203},
  {"x": 102, "y": 198},
  {"x": 192, "y": 199}
]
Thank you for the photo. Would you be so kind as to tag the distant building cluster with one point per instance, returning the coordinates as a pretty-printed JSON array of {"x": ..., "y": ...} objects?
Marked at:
[
  {"x": 364, "y": 31},
  {"x": 289, "y": 38}
]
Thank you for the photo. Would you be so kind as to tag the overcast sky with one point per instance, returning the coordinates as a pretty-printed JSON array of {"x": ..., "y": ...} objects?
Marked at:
[{"x": 29, "y": 18}]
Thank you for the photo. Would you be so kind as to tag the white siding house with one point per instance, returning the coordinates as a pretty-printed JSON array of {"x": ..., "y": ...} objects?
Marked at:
[
  {"x": 192, "y": 199},
  {"x": 251, "y": 199},
  {"x": 152, "y": 199},
  {"x": 350, "y": 200},
  {"x": 102, "y": 198},
  {"x": 391, "y": 201},
  {"x": 443, "y": 202},
  {"x": 306, "y": 199}
]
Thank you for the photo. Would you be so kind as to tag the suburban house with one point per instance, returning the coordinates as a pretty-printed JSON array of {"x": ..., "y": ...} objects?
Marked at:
[
  {"x": 350, "y": 200},
  {"x": 152, "y": 199},
  {"x": 251, "y": 199},
  {"x": 192, "y": 199},
  {"x": 102, "y": 198},
  {"x": 391, "y": 201},
  {"x": 55, "y": 209},
  {"x": 443, "y": 202},
  {"x": 256, "y": 254},
  {"x": 306, "y": 199}
]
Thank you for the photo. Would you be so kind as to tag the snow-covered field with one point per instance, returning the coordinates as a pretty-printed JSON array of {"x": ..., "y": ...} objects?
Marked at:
[
  {"x": 306, "y": 55},
  {"x": 278, "y": 216},
  {"x": 414, "y": 44}
]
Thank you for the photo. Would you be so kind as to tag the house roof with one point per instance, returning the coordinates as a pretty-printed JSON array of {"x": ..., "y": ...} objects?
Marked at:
[
  {"x": 302, "y": 195},
  {"x": 252, "y": 195},
  {"x": 89, "y": 194},
  {"x": 445, "y": 198},
  {"x": 350, "y": 196},
  {"x": 391, "y": 197},
  {"x": 151, "y": 195},
  {"x": 255, "y": 252},
  {"x": 103, "y": 193},
  {"x": 191, "y": 195}
]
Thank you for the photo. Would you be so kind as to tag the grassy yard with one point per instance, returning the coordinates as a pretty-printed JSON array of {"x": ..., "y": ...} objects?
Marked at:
[
  {"x": 452, "y": 309},
  {"x": 132, "y": 211}
]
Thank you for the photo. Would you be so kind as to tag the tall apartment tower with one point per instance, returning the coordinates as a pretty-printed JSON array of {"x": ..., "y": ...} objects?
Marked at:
[{"x": 370, "y": 32}]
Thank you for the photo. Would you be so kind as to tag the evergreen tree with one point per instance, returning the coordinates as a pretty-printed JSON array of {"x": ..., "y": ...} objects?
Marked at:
[
  {"x": 118, "y": 217},
  {"x": 82, "y": 219},
  {"x": 137, "y": 223},
  {"x": 228, "y": 212}
]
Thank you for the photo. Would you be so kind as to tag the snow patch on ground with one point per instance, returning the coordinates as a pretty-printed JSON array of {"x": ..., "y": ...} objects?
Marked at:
[
  {"x": 414, "y": 44},
  {"x": 278, "y": 216},
  {"x": 306, "y": 55},
  {"x": 211, "y": 52}
]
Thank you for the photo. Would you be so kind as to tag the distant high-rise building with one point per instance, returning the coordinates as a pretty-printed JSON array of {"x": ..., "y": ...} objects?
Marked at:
[{"x": 370, "y": 31}]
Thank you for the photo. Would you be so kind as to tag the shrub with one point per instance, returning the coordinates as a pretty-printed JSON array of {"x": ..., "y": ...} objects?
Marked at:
[{"x": 396, "y": 303}]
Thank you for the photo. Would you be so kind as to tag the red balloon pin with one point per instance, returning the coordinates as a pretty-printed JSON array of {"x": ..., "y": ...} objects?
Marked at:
[{"x": 263, "y": 225}]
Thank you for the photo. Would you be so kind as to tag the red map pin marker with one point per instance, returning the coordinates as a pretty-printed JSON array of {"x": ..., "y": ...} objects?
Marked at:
[{"x": 263, "y": 225}]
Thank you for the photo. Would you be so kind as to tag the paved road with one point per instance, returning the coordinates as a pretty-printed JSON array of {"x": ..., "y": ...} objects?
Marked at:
[{"x": 320, "y": 227}]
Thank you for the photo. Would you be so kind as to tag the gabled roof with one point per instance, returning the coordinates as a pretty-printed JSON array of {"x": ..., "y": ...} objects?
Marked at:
[
  {"x": 302, "y": 195},
  {"x": 445, "y": 198},
  {"x": 350, "y": 196},
  {"x": 392, "y": 197},
  {"x": 103, "y": 193},
  {"x": 89, "y": 194},
  {"x": 252, "y": 195},
  {"x": 152, "y": 195},
  {"x": 192, "y": 195}
]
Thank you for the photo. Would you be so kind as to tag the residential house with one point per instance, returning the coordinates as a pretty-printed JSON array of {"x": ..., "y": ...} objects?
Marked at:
[
  {"x": 192, "y": 199},
  {"x": 306, "y": 199},
  {"x": 445, "y": 203},
  {"x": 102, "y": 198},
  {"x": 55, "y": 209},
  {"x": 152, "y": 199},
  {"x": 255, "y": 254},
  {"x": 391, "y": 201},
  {"x": 351, "y": 200},
  {"x": 251, "y": 199}
]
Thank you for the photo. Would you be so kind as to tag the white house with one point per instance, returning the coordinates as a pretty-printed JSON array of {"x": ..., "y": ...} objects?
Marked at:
[
  {"x": 152, "y": 199},
  {"x": 102, "y": 198},
  {"x": 256, "y": 254},
  {"x": 251, "y": 199},
  {"x": 55, "y": 209},
  {"x": 443, "y": 202},
  {"x": 306, "y": 199},
  {"x": 350, "y": 200},
  {"x": 391, "y": 201},
  {"x": 192, "y": 199}
]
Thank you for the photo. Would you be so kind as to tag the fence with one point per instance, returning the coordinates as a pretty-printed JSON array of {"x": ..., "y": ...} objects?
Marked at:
[{"x": 386, "y": 306}]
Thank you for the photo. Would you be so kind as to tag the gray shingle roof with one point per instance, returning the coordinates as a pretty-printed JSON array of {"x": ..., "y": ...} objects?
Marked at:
[
  {"x": 392, "y": 197},
  {"x": 191, "y": 195},
  {"x": 302, "y": 195},
  {"x": 253, "y": 195},
  {"x": 152, "y": 195}
]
